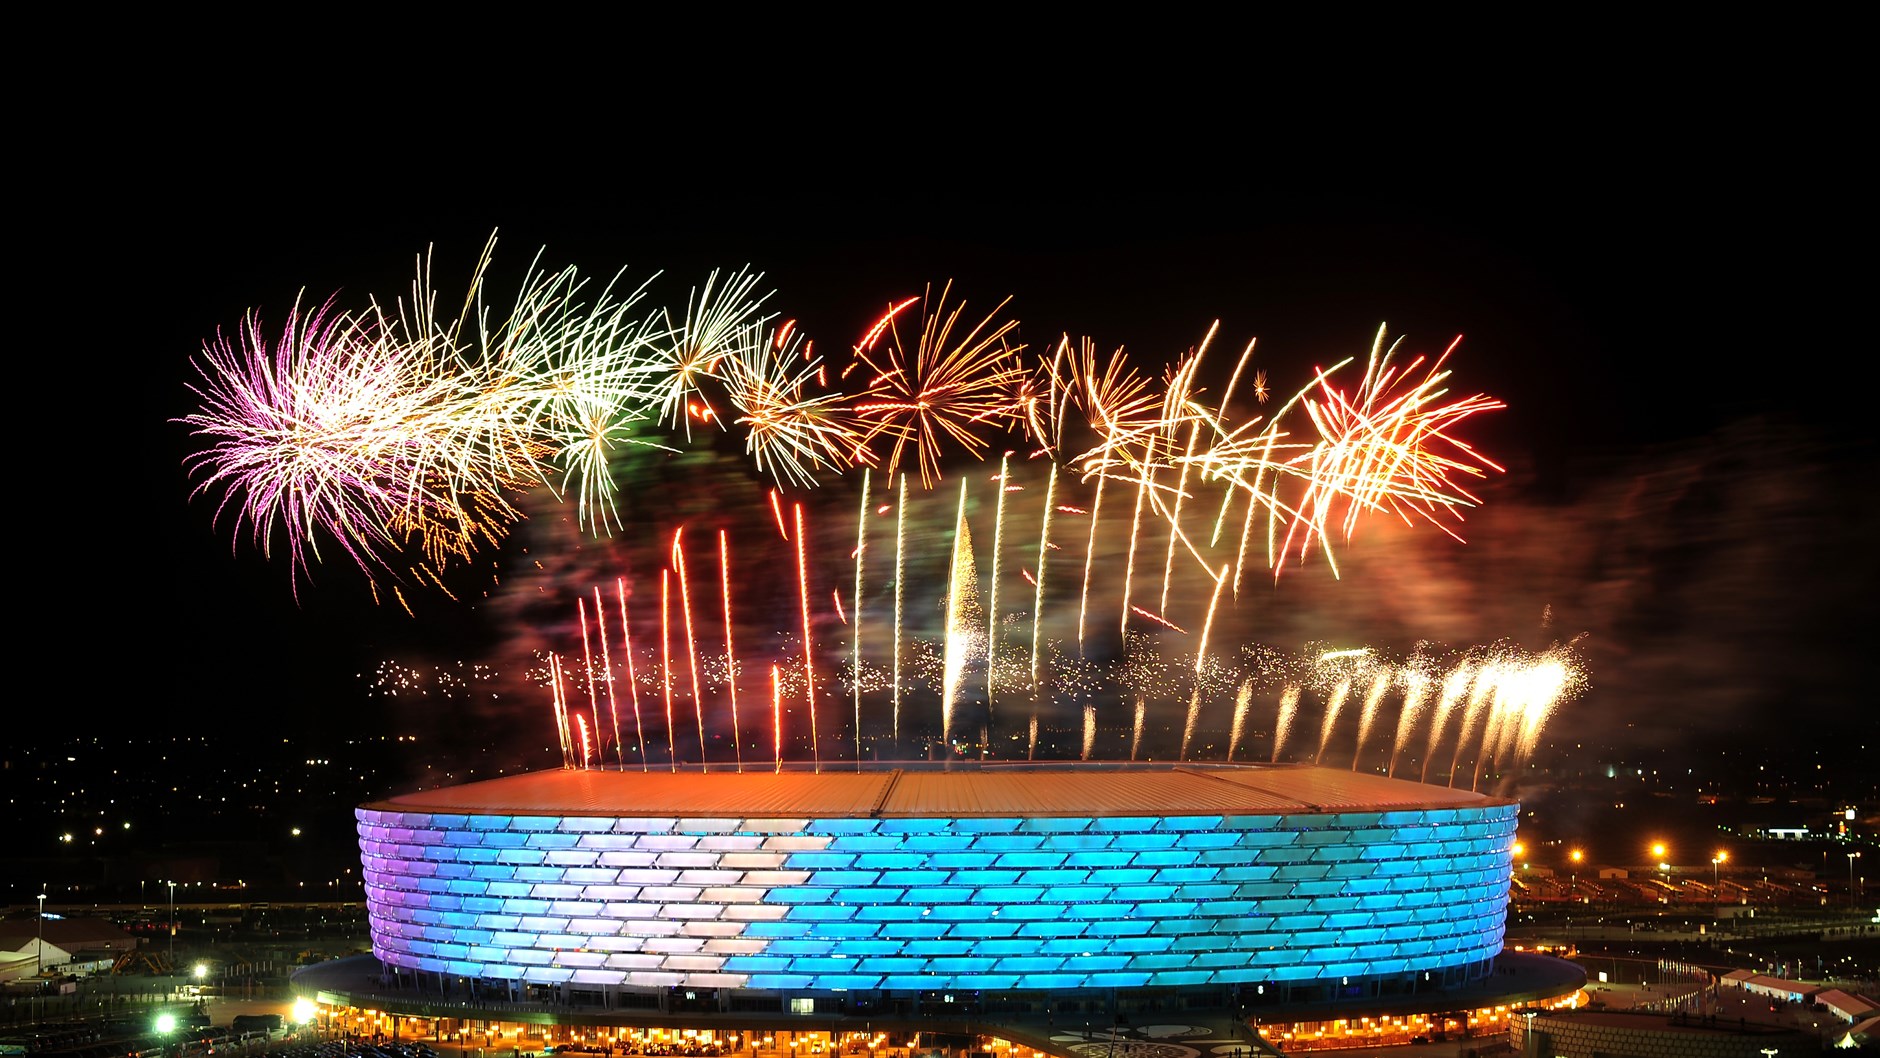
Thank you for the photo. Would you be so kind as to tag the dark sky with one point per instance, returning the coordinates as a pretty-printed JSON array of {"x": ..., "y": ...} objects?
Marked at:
[{"x": 1689, "y": 464}]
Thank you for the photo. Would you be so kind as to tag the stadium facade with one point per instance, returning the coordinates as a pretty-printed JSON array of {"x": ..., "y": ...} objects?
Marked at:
[{"x": 1286, "y": 882}]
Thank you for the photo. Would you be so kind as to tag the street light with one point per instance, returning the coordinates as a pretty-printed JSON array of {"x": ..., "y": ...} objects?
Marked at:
[
  {"x": 172, "y": 925},
  {"x": 1716, "y": 874},
  {"x": 1527, "y": 1041},
  {"x": 1576, "y": 856},
  {"x": 1851, "y": 857},
  {"x": 39, "y": 957}
]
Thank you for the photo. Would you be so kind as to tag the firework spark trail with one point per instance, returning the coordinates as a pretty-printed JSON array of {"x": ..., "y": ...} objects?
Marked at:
[
  {"x": 1499, "y": 707},
  {"x": 1481, "y": 689},
  {"x": 900, "y": 578},
  {"x": 587, "y": 662},
  {"x": 1049, "y": 389},
  {"x": 809, "y": 672},
  {"x": 1192, "y": 717},
  {"x": 1135, "y": 529},
  {"x": 992, "y": 583},
  {"x": 633, "y": 683},
  {"x": 855, "y": 674},
  {"x": 1455, "y": 686},
  {"x": 961, "y": 589},
  {"x": 1516, "y": 696},
  {"x": 1242, "y": 699},
  {"x": 1556, "y": 674},
  {"x": 776, "y": 508},
  {"x": 665, "y": 662},
  {"x": 1283, "y": 720},
  {"x": 731, "y": 665},
  {"x": 1367, "y": 717},
  {"x": 581, "y": 721},
  {"x": 691, "y": 643},
  {"x": 1031, "y": 745},
  {"x": 1176, "y": 410},
  {"x": 776, "y": 716},
  {"x": 1201, "y": 656},
  {"x": 559, "y": 705},
  {"x": 1416, "y": 684},
  {"x": 1227, "y": 396},
  {"x": 1116, "y": 400},
  {"x": 702, "y": 341},
  {"x": 1240, "y": 450},
  {"x": 1175, "y": 517},
  {"x": 607, "y": 674},
  {"x": 1037, "y": 604},
  {"x": 1090, "y": 555},
  {"x": 1090, "y": 731},
  {"x": 1333, "y": 704},
  {"x": 881, "y": 325}
]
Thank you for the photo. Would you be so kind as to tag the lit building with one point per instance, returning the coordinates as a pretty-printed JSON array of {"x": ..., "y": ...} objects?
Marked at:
[{"x": 909, "y": 891}]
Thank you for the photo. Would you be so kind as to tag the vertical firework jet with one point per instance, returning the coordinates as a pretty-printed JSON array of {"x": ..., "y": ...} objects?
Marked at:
[
  {"x": 962, "y": 589},
  {"x": 1282, "y": 723}
]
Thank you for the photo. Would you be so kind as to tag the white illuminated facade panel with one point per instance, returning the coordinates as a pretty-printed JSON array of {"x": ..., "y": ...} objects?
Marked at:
[{"x": 939, "y": 903}]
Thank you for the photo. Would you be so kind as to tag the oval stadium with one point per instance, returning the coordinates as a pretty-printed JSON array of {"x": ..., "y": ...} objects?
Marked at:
[{"x": 925, "y": 895}]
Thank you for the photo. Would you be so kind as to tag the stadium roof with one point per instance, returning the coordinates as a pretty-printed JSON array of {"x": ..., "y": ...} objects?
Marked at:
[{"x": 887, "y": 791}]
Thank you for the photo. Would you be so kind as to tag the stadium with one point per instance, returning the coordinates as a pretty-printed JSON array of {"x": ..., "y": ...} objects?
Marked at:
[{"x": 1011, "y": 901}]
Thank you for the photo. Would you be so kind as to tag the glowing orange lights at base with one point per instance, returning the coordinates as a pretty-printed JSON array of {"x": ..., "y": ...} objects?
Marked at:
[{"x": 1390, "y": 1030}]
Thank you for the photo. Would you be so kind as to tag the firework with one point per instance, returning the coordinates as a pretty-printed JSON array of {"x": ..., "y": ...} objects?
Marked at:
[
  {"x": 717, "y": 316},
  {"x": 962, "y": 594},
  {"x": 1282, "y": 722},
  {"x": 790, "y": 432},
  {"x": 809, "y": 668},
  {"x": 941, "y": 390},
  {"x": 326, "y": 432},
  {"x": 1415, "y": 681},
  {"x": 1242, "y": 699},
  {"x": 691, "y": 640},
  {"x": 1368, "y": 716},
  {"x": 403, "y": 437},
  {"x": 992, "y": 582},
  {"x": 731, "y": 665}
]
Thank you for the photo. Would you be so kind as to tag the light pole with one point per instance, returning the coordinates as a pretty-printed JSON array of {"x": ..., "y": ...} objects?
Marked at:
[
  {"x": 172, "y": 925},
  {"x": 39, "y": 957},
  {"x": 1527, "y": 1041},
  {"x": 1716, "y": 875},
  {"x": 1851, "y": 857}
]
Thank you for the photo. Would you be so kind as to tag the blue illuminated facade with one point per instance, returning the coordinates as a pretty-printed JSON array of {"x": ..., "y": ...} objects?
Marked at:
[{"x": 931, "y": 902}]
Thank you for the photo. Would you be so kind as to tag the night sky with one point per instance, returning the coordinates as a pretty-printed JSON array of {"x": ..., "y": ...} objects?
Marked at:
[{"x": 1688, "y": 468}]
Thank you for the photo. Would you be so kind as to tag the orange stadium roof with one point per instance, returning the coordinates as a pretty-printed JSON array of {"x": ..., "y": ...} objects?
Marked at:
[{"x": 917, "y": 790}]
